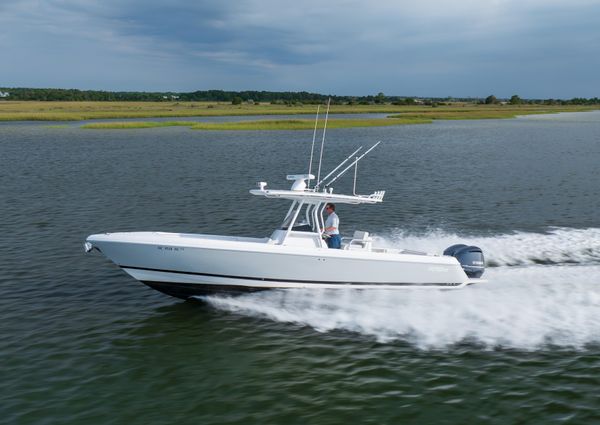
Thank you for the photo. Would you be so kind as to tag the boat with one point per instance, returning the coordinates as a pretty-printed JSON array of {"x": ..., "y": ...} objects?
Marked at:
[{"x": 295, "y": 255}]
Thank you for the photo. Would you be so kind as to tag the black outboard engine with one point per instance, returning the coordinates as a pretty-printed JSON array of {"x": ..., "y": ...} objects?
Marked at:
[{"x": 469, "y": 257}]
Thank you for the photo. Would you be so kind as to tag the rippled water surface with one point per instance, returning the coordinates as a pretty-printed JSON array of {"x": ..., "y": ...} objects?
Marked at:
[{"x": 81, "y": 342}]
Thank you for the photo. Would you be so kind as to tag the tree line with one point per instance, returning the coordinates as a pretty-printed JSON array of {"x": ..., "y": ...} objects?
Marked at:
[
  {"x": 237, "y": 97},
  {"x": 51, "y": 94},
  {"x": 516, "y": 100}
]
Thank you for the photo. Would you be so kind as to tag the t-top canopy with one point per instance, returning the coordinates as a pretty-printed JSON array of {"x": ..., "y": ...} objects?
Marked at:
[
  {"x": 301, "y": 191},
  {"x": 312, "y": 197}
]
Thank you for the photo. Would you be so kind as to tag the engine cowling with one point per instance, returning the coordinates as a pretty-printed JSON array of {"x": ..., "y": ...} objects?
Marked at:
[{"x": 470, "y": 258}]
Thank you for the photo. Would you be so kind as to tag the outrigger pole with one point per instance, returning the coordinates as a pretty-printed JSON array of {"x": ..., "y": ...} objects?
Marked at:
[
  {"x": 352, "y": 164},
  {"x": 338, "y": 167},
  {"x": 312, "y": 148}
]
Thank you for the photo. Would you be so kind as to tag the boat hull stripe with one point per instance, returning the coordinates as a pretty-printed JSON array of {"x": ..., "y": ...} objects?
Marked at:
[{"x": 265, "y": 279}]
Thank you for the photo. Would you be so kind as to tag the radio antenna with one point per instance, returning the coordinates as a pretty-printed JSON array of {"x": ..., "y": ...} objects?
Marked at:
[
  {"x": 323, "y": 140},
  {"x": 312, "y": 148}
]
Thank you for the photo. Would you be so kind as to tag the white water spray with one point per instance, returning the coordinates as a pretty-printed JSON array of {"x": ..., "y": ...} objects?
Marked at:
[{"x": 544, "y": 290}]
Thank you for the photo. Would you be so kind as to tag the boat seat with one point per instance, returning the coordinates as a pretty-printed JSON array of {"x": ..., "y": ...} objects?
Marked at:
[
  {"x": 359, "y": 240},
  {"x": 361, "y": 236}
]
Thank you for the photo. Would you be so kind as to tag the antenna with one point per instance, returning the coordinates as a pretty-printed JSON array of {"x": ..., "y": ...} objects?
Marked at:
[
  {"x": 323, "y": 141},
  {"x": 355, "y": 173},
  {"x": 353, "y": 163},
  {"x": 312, "y": 148},
  {"x": 338, "y": 167}
]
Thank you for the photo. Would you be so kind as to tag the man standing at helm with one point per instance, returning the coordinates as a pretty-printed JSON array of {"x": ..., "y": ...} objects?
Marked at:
[{"x": 332, "y": 231}]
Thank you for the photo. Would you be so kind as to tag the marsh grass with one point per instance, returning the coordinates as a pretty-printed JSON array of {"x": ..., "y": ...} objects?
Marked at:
[
  {"x": 136, "y": 124},
  {"x": 484, "y": 113},
  {"x": 261, "y": 124},
  {"x": 305, "y": 124},
  {"x": 79, "y": 111}
]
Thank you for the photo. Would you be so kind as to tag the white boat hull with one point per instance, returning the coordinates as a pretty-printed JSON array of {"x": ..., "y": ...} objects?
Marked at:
[{"x": 184, "y": 265}]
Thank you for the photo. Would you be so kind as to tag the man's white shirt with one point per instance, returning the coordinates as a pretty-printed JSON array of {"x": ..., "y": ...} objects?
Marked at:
[{"x": 332, "y": 221}]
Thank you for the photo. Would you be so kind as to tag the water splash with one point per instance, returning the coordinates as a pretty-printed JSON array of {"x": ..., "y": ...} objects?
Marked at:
[
  {"x": 524, "y": 307},
  {"x": 559, "y": 245}
]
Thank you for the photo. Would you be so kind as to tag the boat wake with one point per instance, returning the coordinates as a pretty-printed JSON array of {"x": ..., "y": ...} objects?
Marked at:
[
  {"x": 558, "y": 245},
  {"x": 544, "y": 290}
]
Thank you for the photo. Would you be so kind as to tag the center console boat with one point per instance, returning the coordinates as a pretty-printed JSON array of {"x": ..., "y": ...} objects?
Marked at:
[{"x": 294, "y": 255}]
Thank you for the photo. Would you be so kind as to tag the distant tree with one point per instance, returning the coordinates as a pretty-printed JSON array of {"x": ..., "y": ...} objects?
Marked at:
[
  {"x": 490, "y": 100},
  {"x": 515, "y": 100},
  {"x": 280, "y": 98}
]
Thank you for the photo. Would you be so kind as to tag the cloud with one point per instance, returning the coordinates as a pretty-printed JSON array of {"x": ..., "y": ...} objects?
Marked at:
[{"x": 462, "y": 47}]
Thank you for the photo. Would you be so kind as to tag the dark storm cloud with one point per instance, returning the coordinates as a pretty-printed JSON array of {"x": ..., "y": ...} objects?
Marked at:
[
  {"x": 219, "y": 30},
  {"x": 460, "y": 48}
]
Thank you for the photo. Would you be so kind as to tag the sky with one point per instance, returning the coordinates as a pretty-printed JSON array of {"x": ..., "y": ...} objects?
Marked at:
[{"x": 437, "y": 48}]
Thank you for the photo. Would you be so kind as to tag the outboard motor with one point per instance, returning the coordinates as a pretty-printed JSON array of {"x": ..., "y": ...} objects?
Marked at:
[{"x": 470, "y": 258}]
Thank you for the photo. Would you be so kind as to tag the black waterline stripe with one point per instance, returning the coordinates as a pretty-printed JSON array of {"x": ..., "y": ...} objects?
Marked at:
[{"x": 265, "y": 279}]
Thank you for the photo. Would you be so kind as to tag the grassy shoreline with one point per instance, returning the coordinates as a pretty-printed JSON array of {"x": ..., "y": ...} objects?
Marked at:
[
  {"x": 79, "y": 111},
  {"x": 259, "y": 124},
  {"x": 399, "y": 114}
]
